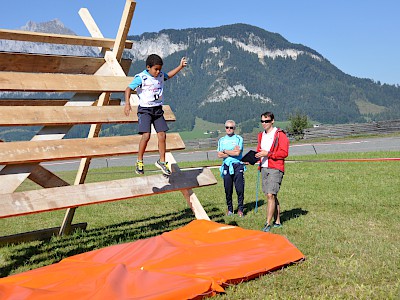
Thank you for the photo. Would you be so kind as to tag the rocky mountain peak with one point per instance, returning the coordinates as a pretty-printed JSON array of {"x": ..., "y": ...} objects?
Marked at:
[{"x": 53, "y": 26}]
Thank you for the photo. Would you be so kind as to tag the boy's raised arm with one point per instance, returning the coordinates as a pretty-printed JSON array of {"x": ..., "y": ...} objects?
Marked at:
[{"x": 175, "y": 71}]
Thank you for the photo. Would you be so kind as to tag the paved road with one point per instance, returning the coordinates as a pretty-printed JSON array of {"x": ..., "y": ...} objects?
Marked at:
[{"x": 359, "y": 145}]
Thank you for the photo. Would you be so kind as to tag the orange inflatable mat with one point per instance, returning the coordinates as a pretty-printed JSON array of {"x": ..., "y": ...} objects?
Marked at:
[{"x": 194, "y": 261}]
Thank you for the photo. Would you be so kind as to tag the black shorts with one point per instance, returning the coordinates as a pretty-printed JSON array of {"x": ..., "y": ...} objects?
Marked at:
[{"x": 151, "y": 115}]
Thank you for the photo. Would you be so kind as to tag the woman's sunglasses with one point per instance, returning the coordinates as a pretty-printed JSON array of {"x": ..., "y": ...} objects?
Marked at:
[
  {"x": 266, "y": 121},
  {"x": 228, "y": 127}
]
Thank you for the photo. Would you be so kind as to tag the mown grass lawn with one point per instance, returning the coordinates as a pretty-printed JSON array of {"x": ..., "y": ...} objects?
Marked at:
[{"x": 343, "y": 216}]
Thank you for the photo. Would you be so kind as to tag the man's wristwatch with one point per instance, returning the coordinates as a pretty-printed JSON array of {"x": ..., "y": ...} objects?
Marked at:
[{"x": 223, "y": 151}]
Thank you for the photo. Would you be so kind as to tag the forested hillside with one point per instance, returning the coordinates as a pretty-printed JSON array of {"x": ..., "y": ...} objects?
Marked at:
[{"x": 238, "y": 71}]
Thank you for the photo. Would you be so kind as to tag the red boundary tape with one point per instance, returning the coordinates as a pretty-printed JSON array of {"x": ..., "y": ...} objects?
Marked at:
[{"x": 345, "y": 159}]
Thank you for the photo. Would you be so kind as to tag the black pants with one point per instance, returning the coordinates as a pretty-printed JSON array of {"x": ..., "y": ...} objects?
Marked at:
[{"x": 236, "y": 178}]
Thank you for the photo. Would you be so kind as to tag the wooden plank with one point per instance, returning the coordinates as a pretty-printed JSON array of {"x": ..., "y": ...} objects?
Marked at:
[
  {"x": 51, "y": 102},
  {"x": 83, "y": 169},
  {"x": 70, "y": 115},
  {"x": 44, "y": 63},
  {"x": 123, "y": 29},
  {"x": 89, "y": 22},
  {"x": 45, "y": 178},
  {"x": 39, "y": 37},
  {"x": 91, "y": 26},
  {"x": 34, "y": 82},
  {"x": 23, "y": 203},
  {"x": 38, "y": 235},
  {"x": 33, "y": 102},
  {"x": 13, "y": 175},
  {"x": 112, "y": 66},
  {"x": 39, "y": 151},
  {"x": 189, "y": 195}
]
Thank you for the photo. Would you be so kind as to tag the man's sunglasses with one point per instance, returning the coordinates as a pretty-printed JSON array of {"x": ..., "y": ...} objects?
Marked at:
[
  {"x": 227, "y": 127},
  {"x": 266, "y": 121}
]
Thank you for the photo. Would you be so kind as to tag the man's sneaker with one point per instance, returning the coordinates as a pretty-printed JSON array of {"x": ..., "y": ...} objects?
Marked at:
[
  {"x": 276, "y": 225},
  {"x": 229, "y": 213},
  {"x": 163, "y": 166},
  {"x": 267, "y": 228},
  {"x": 139, "y": 167},
  {"x": 240, "y": 214}
]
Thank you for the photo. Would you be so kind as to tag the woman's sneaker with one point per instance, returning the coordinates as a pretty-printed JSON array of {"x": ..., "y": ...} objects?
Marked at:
[
  {"x": 267, "y": 228},
  {"x": 163, "y": 166},
  {"x": 139, "y": 167}
]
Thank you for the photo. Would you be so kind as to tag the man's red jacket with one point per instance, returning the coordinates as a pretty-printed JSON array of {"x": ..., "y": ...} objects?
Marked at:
[{"x": 279, "y": 150}]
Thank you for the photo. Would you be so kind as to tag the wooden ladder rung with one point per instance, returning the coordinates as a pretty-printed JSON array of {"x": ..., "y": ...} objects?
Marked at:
[
  {"x": 70, "y": 115},
  {"x": 48, "y": 82},
  {"x": 49, "y": 150},
  {"x": 23, "y": 203}
]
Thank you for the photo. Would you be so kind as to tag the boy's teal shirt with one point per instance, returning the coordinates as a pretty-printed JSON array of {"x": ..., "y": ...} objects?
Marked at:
[{"x": 137, "y": 80}]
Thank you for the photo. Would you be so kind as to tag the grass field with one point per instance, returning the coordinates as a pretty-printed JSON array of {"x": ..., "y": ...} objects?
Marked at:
[{"x": 344, "y": 217}]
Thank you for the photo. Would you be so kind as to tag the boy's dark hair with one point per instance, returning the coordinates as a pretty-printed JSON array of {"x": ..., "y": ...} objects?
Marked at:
[
  {"x": 268, "y": 114},
  {"x": 154, "y": 59}
]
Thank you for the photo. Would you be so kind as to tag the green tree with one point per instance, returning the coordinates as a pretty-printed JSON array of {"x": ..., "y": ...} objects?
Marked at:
[{"x": 298, "y": 122}]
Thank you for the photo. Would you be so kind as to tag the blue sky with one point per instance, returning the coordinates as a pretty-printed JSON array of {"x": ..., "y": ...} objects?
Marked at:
[{"x": 360, "y": 37}]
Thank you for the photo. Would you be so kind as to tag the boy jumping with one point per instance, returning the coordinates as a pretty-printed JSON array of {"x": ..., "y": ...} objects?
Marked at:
[{"x": 149, "y": 86}]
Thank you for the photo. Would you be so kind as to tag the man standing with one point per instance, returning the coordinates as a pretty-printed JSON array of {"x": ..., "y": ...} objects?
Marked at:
[
  {"x": 230, "y": 148},
  {"x": 272, "y": 149}
]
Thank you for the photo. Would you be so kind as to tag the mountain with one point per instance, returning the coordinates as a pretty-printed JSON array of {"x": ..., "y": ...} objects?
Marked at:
[
  {"x": 239, "y": 71},
  {"x": 54, "y": 26}
]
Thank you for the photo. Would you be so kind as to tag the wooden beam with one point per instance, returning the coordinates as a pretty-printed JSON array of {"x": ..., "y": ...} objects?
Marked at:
[
  {"x": 123, "y": 29},
  {"x": 44, "y": 63},
  {"x": 33, "y": 82},
  {"x": 45, "y": 178},
  {"x": 90, "y": 24},
  {"x": 52, "y": 102},
  {"x": 23, "y": 203},
  {"x": 70, "y": 115},
  {"x": 83, "y": 169},
  {"x": 38, "y": 235},
  {"x": 39, "y": 151},
  {"x": 112, "y": 66},
  {"x": 32, "y": 102},
  {"x": 39, "y": 37},
  {"x": 189, "y": 195},
  {"x": 13, "y": 175}
]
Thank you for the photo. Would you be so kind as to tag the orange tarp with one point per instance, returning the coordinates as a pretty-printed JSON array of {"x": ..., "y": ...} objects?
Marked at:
[{"x": 196, "y": 260}]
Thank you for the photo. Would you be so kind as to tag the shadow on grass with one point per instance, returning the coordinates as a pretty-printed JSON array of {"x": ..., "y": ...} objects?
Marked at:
[
  {"x": 40, "y": 253},
  {"x": 252, "y": 205},
  {"x": 292, "y": 214}
]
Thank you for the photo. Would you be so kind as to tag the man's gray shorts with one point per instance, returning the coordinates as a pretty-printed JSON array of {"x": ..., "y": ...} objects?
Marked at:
[{"x": 271, "y": 180}]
